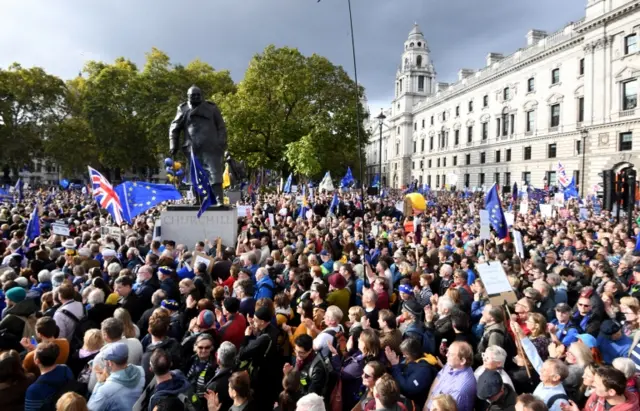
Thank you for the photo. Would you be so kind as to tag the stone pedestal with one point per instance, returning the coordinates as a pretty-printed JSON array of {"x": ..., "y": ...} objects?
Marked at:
[
  {"x": 234, "y": 196},
  {"x": 181, "y": 224}
]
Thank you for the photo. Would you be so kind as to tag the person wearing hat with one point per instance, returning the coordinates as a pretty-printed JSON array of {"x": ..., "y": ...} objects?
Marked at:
[
  {"x": 165, "y": 275},
  {"x": 259, "y": 349},
  {"x": 414, "y": 327},
  {"x": 562, "y": 330},
  {"x": 232, "y": 323},
  {"x": 612, "y": 342},
  {"x": 327, "y": 262},
  {"x": 494, "y": 394},
  {"x": 20, "y": 311},
  {"x": 120, "y": 384},
  {"x": 200, "y": 368},
  {"x": 339, "y": 295},
  {"x": 176, "y": 329}
]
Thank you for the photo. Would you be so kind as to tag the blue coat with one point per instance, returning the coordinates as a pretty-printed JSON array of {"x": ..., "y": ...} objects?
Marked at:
[
  {"x": 264, "y": 288},
  {"x": 120, "y": 391},
  {"x": 414, "y": 379}
]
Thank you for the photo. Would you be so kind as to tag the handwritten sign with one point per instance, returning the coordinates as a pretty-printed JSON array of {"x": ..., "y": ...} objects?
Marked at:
[
  {"x": 60, "y": 229},
  {"x": 485, "y": 226},
  {"x": 496, "y": 283},
  {"x": 203, "y": 258}
]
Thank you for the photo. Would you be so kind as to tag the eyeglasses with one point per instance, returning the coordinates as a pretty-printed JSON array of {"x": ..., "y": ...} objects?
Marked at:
[{"x": 205, "y": 348}]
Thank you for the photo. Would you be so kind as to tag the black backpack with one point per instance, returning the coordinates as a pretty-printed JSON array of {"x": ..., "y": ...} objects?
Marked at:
[
  {"x": 60, "y": 389},
  {"x": 81, "y": 327},
  {"x": 509, "y": 345}
]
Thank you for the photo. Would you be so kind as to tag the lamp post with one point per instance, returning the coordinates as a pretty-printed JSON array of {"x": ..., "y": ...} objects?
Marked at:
[
  {"x": 381, "y": 119},
  {"x": 584, "y": 133}
]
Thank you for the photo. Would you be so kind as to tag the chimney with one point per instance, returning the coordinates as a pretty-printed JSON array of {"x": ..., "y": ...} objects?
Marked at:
[
  {"x": 464, "y": 73},
  {"x": 534, "y": 36},
  {"x": 442, "y": 86},
  {"x": 494, "y": 58}
]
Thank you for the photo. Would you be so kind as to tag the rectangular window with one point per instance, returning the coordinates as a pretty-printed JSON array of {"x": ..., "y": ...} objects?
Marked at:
[
  {"x": 413, "y": 165},
  {"x": 496, "y": 178},
  {"x": 498, "y": 154},
  {"x": 507, "y": 179},
  {"x": 481, "y": 179},
  {"x": 467, "y": 179},
  {"x": 430, "y": 143},
  {"x": 420, "y": 83},
  {"x": 629, "y": 95},
  {"x": 444, "y": 162},
  {"x": 626, "y": 141},
  {"x": 469, "y": 134},
  {"x": 512, "y": 123},
  {"x": 421, "y": 165},
  {"x": 457, "y": 111},
  {"x": 578, "y": 147},
  {"x": 530, "y": 121},
  {"x": 580, "y": 109},
  {"x": 555, "y": 76},
  {"x": 429, "y": 163},
  {"x": 551, "y": 150},
  {"x": 527, "y": 153},
  {"x": 630, "y": 44},
  {"x": 531, "y": 85},
  {"x": 498, "y": 128},
  {"x": 485, "y": 131},
  {"x": 415, "y": 146},
  {"x": 483, "y": 157},
  {"x": 401, "y": 86},
  {"x": 422, "y": 145},
  {"x": 555, "y": 115},
  {"x": 485, "y": 101},
  {"x": 438, "y": 162},
  {"x": 581, "y": 69},
  {"x": 508, "y": 155},
  {"x": 456, "y": 137},
  {"x": 438, "y": 180},
  {"x": 431, "y": 120},
  {"x": 576, "y": 177},
  {"x": 505, "y": 124},
  {"x": 470, "y": 106},
  {"x": 415, "y": 126},
  {"x": 422, "y": 123},
  {"x": 526, "y": 177},
  {"x": 506, "y": 93},
  {"x": 551, "y": 178},
  {"x": 429, "y": 181},
  {"x": 467, "y": 159},
  {"x": 455, "y": 161}
]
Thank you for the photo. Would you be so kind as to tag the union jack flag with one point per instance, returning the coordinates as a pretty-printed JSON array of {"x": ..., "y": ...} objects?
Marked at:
[
  {"x": 563, "y": 180},
  {"x": 105, "y": 195}
]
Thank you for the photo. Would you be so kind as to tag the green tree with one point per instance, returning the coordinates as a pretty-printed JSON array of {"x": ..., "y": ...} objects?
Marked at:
[
  {"x": 294, "y": 112},
  {"x": 30, "y": 100}
]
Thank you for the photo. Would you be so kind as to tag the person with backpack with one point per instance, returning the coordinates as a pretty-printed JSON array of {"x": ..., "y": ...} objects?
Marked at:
[
  {"x": 54, "y": 380},
  {"x": 332, "y": 334},
  {"x": 20, "y": 315},
  {"x": 311, "y": 367},
  {"x": 70, "y": 313},
  {"x": 495, "y": 332},
  {"x": 119, "y": 383},
  {"x": 415, "y": 328},
  {"x": 167, "y": 383}
]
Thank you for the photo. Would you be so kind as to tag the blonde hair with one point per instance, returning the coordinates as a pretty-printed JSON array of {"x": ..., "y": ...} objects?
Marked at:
[
  {"x": 93, "y": 340},
  {"x": 123, "y": 315},
  {"x": 583, "y": 354},
  {"x": 445, "y": 402},
  {"x": 71, "y": 402},
  {"x": 541, "y": 322},
  {"x": 335, "y": 313},
  {"x": 356, "y": 311},
  {"x": 631, "y": 302}
]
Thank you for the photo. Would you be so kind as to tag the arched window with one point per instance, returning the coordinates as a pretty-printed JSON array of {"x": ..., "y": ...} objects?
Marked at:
[
  {"x": 411, "y": 45},
  {"x": 419, "y": 61},
  {"x": 406, "y": 63},
  {"x": 419, "y": 44}
]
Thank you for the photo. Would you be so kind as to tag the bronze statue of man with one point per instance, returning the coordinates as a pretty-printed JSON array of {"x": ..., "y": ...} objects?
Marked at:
[{"x": 205, "y": 133}]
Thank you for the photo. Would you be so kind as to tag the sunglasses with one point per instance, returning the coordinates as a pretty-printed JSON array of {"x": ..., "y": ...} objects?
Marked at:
[{"x": 206, "y": 347}]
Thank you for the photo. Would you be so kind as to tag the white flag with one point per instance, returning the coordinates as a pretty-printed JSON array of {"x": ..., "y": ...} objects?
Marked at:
[{"x": 326, "y": 183}]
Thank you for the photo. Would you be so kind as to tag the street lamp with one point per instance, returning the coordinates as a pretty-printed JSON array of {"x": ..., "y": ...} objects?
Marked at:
[
  {"x": 381, "y": 119},
  {"x": 584, "y": 133}
]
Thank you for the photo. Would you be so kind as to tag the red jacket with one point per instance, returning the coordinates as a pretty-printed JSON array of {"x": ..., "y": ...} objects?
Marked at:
[{"x": 233, "y": 330}]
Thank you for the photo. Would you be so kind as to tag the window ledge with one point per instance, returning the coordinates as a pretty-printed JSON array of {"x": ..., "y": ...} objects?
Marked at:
[
  {"x": 558, "y": 84},
  {"x": 528, "y": 133},
  {"x": 627, "y": 113},
  {"x": 553, "y": 129}
]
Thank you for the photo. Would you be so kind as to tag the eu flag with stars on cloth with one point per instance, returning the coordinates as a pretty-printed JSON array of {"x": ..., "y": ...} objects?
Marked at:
[
  {"x": 138, "y": 197},
  {"x": 33, "y": 227},
  {"x": 200, "y": 182},
  {"x": 496, "y": 216},
  {"x": 348, "y": 179}
]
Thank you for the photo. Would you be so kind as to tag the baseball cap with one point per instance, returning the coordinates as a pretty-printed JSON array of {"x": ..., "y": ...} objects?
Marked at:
[
  {"x": 404, "y": 288},
  {"x": 588, "y": 340},
  {"x": 117, "y": 352},
  {"x": 489, "y": 384},
  {"x": 609, "y": 327},
  {"x": 412, "y": 307}
]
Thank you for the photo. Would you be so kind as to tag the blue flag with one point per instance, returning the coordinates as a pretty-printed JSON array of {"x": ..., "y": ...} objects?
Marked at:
[
  {"x": 570, "y": 191},
  {"x": 138, "y": 197},
  {"x": 33, "y": 227},
  {"x": 496, "y": 216},
  {"x": 376, "y": 181},
  {"x": 347, "y": 180},
  {"x": 64, "y": 183},
  {"x": 287, "y": 185},
  {"x": 200, "y": 182},
  {"x": 48, "y": 200},
  {"x": 334, "y": 203},
  {"x": 19, "y": 189}
]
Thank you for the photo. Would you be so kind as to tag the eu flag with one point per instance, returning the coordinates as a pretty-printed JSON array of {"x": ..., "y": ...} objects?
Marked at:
[
  {"x": 348, "y": 179},
  {"x": 138, "y": 197},
  {"x": 496, "y": 215},
  {"x": 376, "y": 181},
  {"x": 19, "y": 188},
  {"x": 570, "y": 191},
  {"x": 287, "y": 185},
  {"x": 64, "y": 183},
  {"x": 33, "y": 227},
  {"x": 200, "y": 182},
  {"x": 334, "y": 203}
]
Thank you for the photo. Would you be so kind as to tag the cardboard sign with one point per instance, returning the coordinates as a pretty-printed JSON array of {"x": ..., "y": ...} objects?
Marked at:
[
  {"x": 509, "y": 218},
  {"x": 408, "y": 207},
  {"x": 546, "y": 210},
  {"x": 60, "y": 229},
  {"x": 496, "y": 283},
  {"x": 244, "y": 211},
  {"x": 485, "y": 225},
  {"x": 524, "y": 207},
  {"x": 558, "y": 199},
  {"x": 202, "y": 258},
  {"x": 584, "y": 214},
  {"x": 517, "y": 239}
]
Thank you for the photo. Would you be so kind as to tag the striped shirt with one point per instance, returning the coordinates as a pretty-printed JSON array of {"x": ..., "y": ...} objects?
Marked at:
[{"x": 460, "y": 384}]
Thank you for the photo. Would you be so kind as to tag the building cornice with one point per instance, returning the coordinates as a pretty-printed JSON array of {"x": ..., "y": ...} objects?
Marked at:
[{"x": 584, "y": 26}]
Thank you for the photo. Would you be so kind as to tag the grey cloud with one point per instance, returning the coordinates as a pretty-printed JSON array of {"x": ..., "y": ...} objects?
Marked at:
[{"x": 61, "y": 35}]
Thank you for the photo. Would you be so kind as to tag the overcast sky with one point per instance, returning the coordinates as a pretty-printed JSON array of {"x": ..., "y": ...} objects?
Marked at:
[{"x": 61, "y": 35}]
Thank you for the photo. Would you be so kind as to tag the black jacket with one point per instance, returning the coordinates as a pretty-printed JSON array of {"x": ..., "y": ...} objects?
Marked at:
[
  {"x": 171, "y": 346},
  {"x": 132, "y": 304},
  {"x": 14, "y": 325},
  {"x": 262, "y": 353},
  {"x": 315, "y": 377},
  {"x": 220, "y": 384},
  {"x": 505, "y": 403}
]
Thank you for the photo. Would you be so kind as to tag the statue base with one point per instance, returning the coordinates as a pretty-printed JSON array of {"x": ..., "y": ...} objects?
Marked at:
[{"x": 181, "y": 224}]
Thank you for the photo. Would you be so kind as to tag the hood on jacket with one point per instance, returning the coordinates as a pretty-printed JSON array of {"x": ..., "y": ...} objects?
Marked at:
[
  {"x": 24, "y": 308},
  {"x": 427, "y": 358},
  {"x": 129, "y": 377},
  {"x": 166, "y": 345},
  {"x": 176, "y": 385}
]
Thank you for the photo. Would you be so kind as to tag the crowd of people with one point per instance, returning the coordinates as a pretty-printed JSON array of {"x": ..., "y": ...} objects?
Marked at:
[{"x": 355, "y": 307}]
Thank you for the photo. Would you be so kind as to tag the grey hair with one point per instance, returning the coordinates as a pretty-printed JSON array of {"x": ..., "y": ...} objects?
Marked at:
[
  {"x": 8, "y": 275},
  {"x": 496, "y": 353},
  {"x": 158, "y": 296},
  {"x": 359, "y": 270},
  {"x": 227, "y": 354},
  {"x": 44, "y": 276},
  {"x": 625, "y": 365},
  {"x": 95, "y": 297},
  {"x": 57, "y": 279},
  {"x": 311, "y": 402},
  {"x": 336, "y": 266},
  {"x": 447, "y": 268},
  {"x": 555, "y": 278},
  {"x": 113, "y": 269},
  {"x": 446, "y": 302}
]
